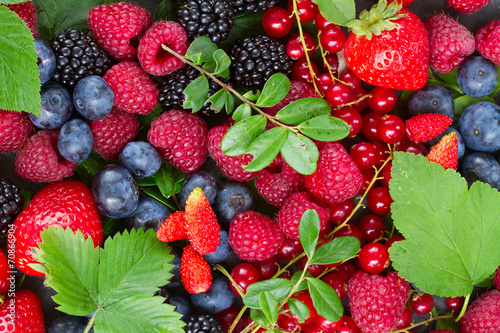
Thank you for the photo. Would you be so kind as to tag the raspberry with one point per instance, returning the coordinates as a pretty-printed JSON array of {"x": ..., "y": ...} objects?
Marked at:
[
  {"x": 27, "y": 12},
  {"x": 134, "y": 90},
  {"x": 173, "y": 228},
  {"x": 254, "y": 237},
  {"x": 377, "y": 302},
  {"x": 290, "y": 213},
  {"x": 112, "y": 133},
  {"x": 467, "y": 6},
  {"x": 181, "y": 138},
  {"x": 231, "y": 166},
  {"x": 117, "y": 28},
  {"x": 488, "y": 41},
  {"x": 483, "y": 315},
  {"x": 449, "y": 42},
  {"x": 39, "y": 161},
  {"x": 426, "y": 126},
  {"x": 496, "y": 279},
  {"x": 15, "y": 129},
  {"x": 196, "y": 275},
  {"x": 152, "y": 57},
  {"x": 298, "y": 90},
  {"x": 337, "y": 176}
]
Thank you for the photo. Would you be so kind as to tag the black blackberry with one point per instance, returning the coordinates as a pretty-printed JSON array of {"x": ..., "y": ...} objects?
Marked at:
[
  {"x": 11, "y": 202},
  {"x": 212, "y": 18},
  {"x": 203, "y": 324},
  {"x": 252, "y": 6},
  {"x": 78, "y": 56},
  {"x": 255, "y": 59}
]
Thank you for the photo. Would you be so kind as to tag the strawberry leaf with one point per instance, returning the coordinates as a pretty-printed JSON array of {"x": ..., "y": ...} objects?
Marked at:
[{"x": 337, "y": 11}]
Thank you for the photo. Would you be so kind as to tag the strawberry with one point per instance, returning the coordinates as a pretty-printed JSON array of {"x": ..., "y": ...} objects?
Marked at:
[
  {"x": 195, "y": 271},
  {"x": 27, "y": 309},
  {"x": 445, "y": 152},
  {"x": 426, "y": 126},
  {"x": 390, "y": 51},
  {"x": 173, "y": 228},
  {"x": 5, "y": 274},
  {"x": 67, "y": 203}
]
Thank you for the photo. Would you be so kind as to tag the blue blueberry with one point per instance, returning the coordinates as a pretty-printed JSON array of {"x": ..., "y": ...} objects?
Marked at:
[
  {"x": 93, "y": 97},
  {"x": 224, "y": 250},
  {"x": 432, "y": 98},
  {"x": 175, "y": 280},
  {"x": 56, "y": 107},
  {"x": 482, "y": 167},
  {"x": 182, "y": 305},
  {"x": 201, "y": 179},
  {"x": 69, "y": 324},
  {"x": 461, "y": 144},
  {"x": 115, "y": 191},
  {"x": 477, "y": 76},
  {"x": 479, "y": 126},
  {"x": 46, "y": 60},
  {"x": 217, "y": 298},
  {"x": 149, "y": 214},
  {"x": 232, "y": 199},
  {"x": 75, "y": 141},
  {"x": 140, "y": 158}
]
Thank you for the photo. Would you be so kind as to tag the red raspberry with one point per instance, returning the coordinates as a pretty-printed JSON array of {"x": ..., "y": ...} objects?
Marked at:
[
  {"x": 467, "y": 6},
  {"x": 27, "y": 12},
  {"x": 426, "y": 126},
  {"x": 488, "y": 41},
  {"x": 231, "y": 166},
  {"x": 181, "y": 138},
  {"x": 152, "y": 57},
  {"x": 377, "y": 302},
  {"x": 496, "y": 279},
  {"x": 15, "y": 129},
  {"x": 298, "y": 90},
  {"x": 449, "y": 42},
  {"x": 117, "y": 28},
  {"x": 483, "y": 315},
  {"x": 134, "y": 90},
  {"x": 113, "y": 132},
  {"x": 337, "y": 176},
  {"x": 39, "y": 161},
  {"x": 290, "y": 213},
  {"x": 254, "y": 237}
]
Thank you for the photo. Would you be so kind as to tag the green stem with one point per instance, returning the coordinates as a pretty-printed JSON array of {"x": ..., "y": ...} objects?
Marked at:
[
  {"x": 91, "y": 322},
  {"x": 464, "y": 307},
  {"x": 425, "y": 322}
]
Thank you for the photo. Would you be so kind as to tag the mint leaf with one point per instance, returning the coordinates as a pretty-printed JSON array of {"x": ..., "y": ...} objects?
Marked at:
[
  {"x": 325, "y": 128},
  {"x": 336, "y": 250},
  {"x": 274, "y": 90},
  {"x": 309, "y": 226},
  {"x": 242, "y": 134},
  {"x": 302, "y": 109},
  {"x": 325, "y": 299},
  {"x": 265, "y": 148},
  {"x": 278, "y": 287},
  {"x": 19, "y": 83},
  {"x": 196, "y": 94},
  {"x": 243, "y": 111},
  {"x": 46, "y": 18},
  {"x": 462, "y": 102},
  {"x": 299, "y": 309},
  {"x": 201, "y": 49},
  {"x": 337, "y": 11},
  {"x": 269, "y": 307},
  {"x": 301, "y": 153},
  {"x": 451, "y": 232}
]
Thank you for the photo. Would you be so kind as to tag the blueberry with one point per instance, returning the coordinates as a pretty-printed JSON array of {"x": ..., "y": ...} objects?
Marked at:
[
  {"x": 75, "y": 141},
  {"x": 432, "y": 99},
  {"x": 56, "y": 107},
  {"x": 46, "y": 60},
  {"x": 68, "y": 324},
  {"x": 217, "y": 298},
  {"x": 461, "y": 145},
  {"x": 115, "y": 192},
  {"x": 149, "y": 214},
  {"x": 224, "y": 250},
  {"x": 93, "y": 97},
  {"x": 201, "y": 179},
  {"x": 175, "y": 280},
  {"x": 182, "y": 305},
  {"x": 482, "y": 167},
  {"x": 232, "y": 198},
  {"x": 477, "y": 76},
  {"x": 479, "y": 126},
  {"x": 140, "y": 158}
]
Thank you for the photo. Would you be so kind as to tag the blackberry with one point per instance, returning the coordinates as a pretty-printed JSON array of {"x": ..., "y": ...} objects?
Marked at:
[
  {"x": 212, "y": 18},
  {"x": 203, "y": 324},
  {"x": 77, "y": 56},
  {"x": 252, "y": 6},
  {"x": 255, "y": 59},
  {"x": 11, "y": 202}
]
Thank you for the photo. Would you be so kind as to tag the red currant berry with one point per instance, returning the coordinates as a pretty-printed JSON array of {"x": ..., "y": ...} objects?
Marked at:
[
  {"x": 370, "y": 125},
  {"x": 277, "y": 21},
  {"x": 349, "y": 230},
  {"x": 454, "y": 303},
  {"x": 393, "y": 240},
  {"x": 421, "y": 304},
  {"x": 386, "y": 175},
  {"x": 412, "y": 147},
  {"x": 267, "y": 268},
  {"x": 338, "y": 94},
  {"x": 352, "y": 80},
  {"x": 391, "y": 129},
  {"x": 301, "y": 72},
  {"x": 368, "y": 175},
  {"x": 295, "y": 49},
  {"x": 323, "y": 81},
  {"x": 364, "y": 155},
  {"x": 333, "y": 62},
  {"x": 347, "y": 326},
  {"x": 286, "y": 324},
  {"x": 405, "y": 320},
  {"x": 372, "y": 227},
  {"x": 346, "y": 270},
  {"x": 311, "y": 328},
  {"x": 356, "y": 95},
  {"x": 379, "y": 200},
  {"x": 382, "y": 152},
  {"x": 321, "y": 22},
  {"x": 307, "y": 10},
  {"x": 306, "y": 299},
  {"x": 351, "y": 117},
  {"x": 340, "y": 211},
  {"x": 332, "y": 39},
  {"x": 374, "y": 258},
  {"x": 227, "y": 317},
  {"x": 315, "y": 270},
  {"x": 338, "y": 283},
  {"x": 325, "y": 325},
  {"x": 289, "y": 249},
  {"x": 285, "y": 275},
  {"x": 244, "y": 274},
  {"x": 382, "y": 100}
]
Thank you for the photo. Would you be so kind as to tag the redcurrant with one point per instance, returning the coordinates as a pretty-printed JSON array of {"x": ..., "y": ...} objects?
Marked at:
[
  {"x": 382, "y": 152},
  {"x": 386, "y": 175},
  {"x": 244, "y": 274},
  {"x": 289, "y": 249},
  {"x": 405, "y": 320},
  {"x": 391, "y": 129},
  {"x": 349, "y": 230},
  {"x": 301, "y": 72},
  {"x": 364, "y": 155},
  {"x": 333, "y": 62},
  {"x": 321, "y": 22},
  {"x": 393, "y": 240},
  {"x": 374, "y": 258},
  {"x": 368, "y": 175},
  {"x": 382, "y": 100},
  {"x": 372, "y": 227},
  {"x": 338, "y": 94},
  {"x": 332, "y": 39},
  {"x": 277, "y": 21},
  {"x": 295, "y": 49},
  {"x": 306, "y": 8},
  {"x": 340, "y": 211},
  {"x": 352, "y": 80},
  {"x": 338, "y": 283},
  {"x": 325, "y": 325},
  {"x": 454, "y": 303},
  {"x": 351, "y": 117},
  {"x": 370, "y": 125},
  {"x": 379, "y": 200},
  {"x": 267, "y": 268},
  {"x": 421, "y": 304}
]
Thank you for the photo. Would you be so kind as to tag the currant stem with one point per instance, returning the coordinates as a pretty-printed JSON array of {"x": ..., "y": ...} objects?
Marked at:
[
  {"x": 464, "y": 307},
  {"x": 425, "y": 322}
]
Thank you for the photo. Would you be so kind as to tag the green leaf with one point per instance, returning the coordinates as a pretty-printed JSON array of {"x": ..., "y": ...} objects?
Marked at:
[
  {"x": 252, "y": 95},
  {"x": 497, "y": 87},
  {"x": 336, "y": 250},
  {"x": 325, "y": 300},
  {"x": 302, "y": 109},
  {"x": 158, "y": 196},
  {"x": 242, "y": 134},
  {"x": 87, "y": 169},
  {"x": 148, "y": 181},
  {"x": 164, "y": 181},
  {"x": 244, "y": 25},
  {"x": 303, "y": 284},
  {"x": 218, "y": 99},
  {"x": 243, "y": 111},
  {"x": 449, "y": 324},
  {"x": 451, "y": 232},
  {"x": 166, "y": 11},
  {"x": 221, "y": 64},
  {"x": 269, "y": 306},
  {"x": 301, "y": 153},
  {"x": 46, "y": 18},
  {"x": 19, "y": 83},
  {"x": 112, "y": 226},
  {"x": 337, "y": 11},
  {"x": 325, "y": 128},
  {"x": 10, "y": 2},
  {"x": 196, "y": 93},
  {"x": 309, "y": 226},
  {"x": 274, "y": 90},
  {"x": 201, "y": 49},
  {"x": 229, "y": 102},
  {"x": 265, "y": 148},
  {"x": 73, "y": 14},
  {"x": 299, "y": 309},
  {"x": 258, "y": 316},
  {"x": 462, "y": 102},
  {"x": 278, "y": 287},
  {"x": 451, "y": 79}
]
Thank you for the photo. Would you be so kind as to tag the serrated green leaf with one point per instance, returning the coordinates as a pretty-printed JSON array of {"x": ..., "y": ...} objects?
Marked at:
[
  {"x": 196, "y": 94},
  {"x": 325, "y": 299},
  {"x": 336, "y": 250},
  {"x": 73, "y": 14},
  {"x": 309, "y": 226},
  {"x": 201, "y": 49},
  {"x": 298, "y": 309},
  {"x": 278, "y": 287},
  {"x": 486, "y": 283},
  {"x": 218, "y": 99},
  {"x": 46, "y": 18},
  {"x": 325, "y": 128},
  {"x": 242, "y": 134},
  {"x": 252, "y": 95},
  {"x": 243, "y": 111},
  {"x": 274, "y": 90},
  {"x": 19, "y": 83},
  {"x": 451, "y": 232},
  {"x": 301, "y": 153},
  {"x": 337, "y": 11},
  {"x": 295, "y": 279},
  {"x": 265, "y": 148},
  {"x": 302, "y": 109},
  {"x": 462, "y": 102},
  {"x": 166, "y": 11},
  {"x": 259, "y": 317},
  {"x": 269, "y": 307}
]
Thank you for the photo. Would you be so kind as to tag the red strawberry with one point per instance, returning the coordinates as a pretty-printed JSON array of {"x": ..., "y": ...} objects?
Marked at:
[
  {"x": 5, "y": 274},
  {"x": 202, "y": 228},
  {"x": 445, "y": 152},
  {"x": 173, "y": 228},
  {"x": 27, "y": 12},
  {"x": 467, "y": 6},
  {"x": 68, "y": 203},
  {"x": 27, "y": 310},
  {"x": 426, "y": 126},
  {"x": 389, "y": 52},
  {"x": 15, "y": 129},
  {"x": 196, "y": 276}
]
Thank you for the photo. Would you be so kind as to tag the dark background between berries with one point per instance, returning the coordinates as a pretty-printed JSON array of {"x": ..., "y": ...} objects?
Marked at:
[{"x": 423, "y": 8}]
